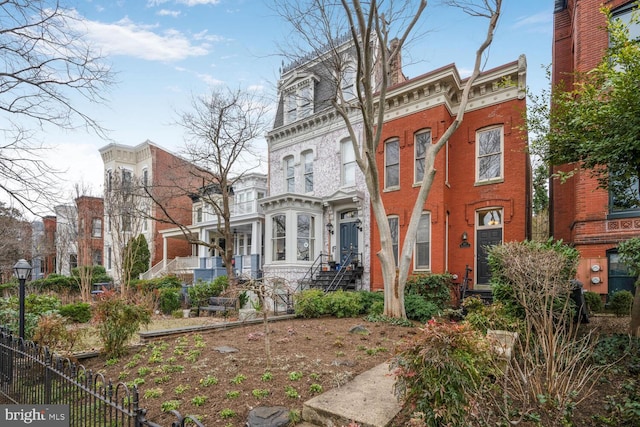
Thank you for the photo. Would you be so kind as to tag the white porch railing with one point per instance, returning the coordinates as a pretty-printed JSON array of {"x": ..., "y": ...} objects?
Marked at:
[{"x": 176, "y": 265}]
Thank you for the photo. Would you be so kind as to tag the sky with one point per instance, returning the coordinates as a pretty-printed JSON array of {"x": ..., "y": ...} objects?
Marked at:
[{"x": 165, "y": 52}]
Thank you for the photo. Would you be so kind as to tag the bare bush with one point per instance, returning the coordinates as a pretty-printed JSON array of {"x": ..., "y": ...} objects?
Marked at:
[{"x": 551, "y": 372}]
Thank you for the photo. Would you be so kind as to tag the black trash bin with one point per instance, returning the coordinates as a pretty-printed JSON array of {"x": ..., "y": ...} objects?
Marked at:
[{"x": 577, "y": 295}]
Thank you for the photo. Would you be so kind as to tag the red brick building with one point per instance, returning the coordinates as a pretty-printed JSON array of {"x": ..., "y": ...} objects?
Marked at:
[
  {"x": 482, "y": 189},
  {"x": 170, "y": 178},
  {"x": 580, "y": 213},
  {"x": 90, "y": 230}
]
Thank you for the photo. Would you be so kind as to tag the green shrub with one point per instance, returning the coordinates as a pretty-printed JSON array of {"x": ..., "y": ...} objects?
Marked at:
[
  {"x": 148, "y": 285},
  {"x": 9, "y": 316},
  {"x": 76, "y": 312},
  {"x": 432, "y": 287},
  {"x": 483, "y": 317},
  {"x": 441, "y": 370},
  {"x": 343, "y": 304},
  {"x": 594, "y": 301},
  {"x": 502, "y": 285},
  {"x": 56, "y": 283},
  {"x": 117, "y": 322},
  {"x": 200, "y": 292},
  {"x": 420, "y": 309},
  {"x": 371, "y": 302},
  {"x": 169, "y": 300},
  {"x": 39, "y": 304},
  {"x": 310, "y": 303},
  {"x": 621, "y": 302}
]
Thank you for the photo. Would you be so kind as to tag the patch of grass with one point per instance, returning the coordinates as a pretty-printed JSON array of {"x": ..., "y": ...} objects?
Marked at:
[
  {"x": 181, "y": 389},
  {"x": 295, "y": 376},
  {"x": 234, "y": 394},
  {"x": 238, "y": 379},
  {"x": 260, "y": 393},
  {"x": 199, "y": 400},
  {"x": 291, "y": 392},
  {"x": 153, "y": 393},
  {"x": 170, "y": 405},
  {"x": 208, "y": 380},
  {"x": 227, "y": 413}
]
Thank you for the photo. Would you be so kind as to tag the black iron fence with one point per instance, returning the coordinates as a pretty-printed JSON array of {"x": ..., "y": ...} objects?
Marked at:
[{"x": 31, "y": 374}]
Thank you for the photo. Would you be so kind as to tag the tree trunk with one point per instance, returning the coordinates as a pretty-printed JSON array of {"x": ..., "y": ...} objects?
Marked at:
[{"x": 634, "y": 327}]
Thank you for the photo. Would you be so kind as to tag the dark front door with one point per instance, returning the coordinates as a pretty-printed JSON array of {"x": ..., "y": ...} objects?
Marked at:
[
  {"x": 619, "y": 277},
  {"x": 348, "y": 240},
  {"x": 485, "y": 237}
]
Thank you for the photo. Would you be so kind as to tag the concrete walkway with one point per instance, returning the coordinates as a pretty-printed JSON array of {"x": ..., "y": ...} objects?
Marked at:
[{"x": 368, "y": 400}]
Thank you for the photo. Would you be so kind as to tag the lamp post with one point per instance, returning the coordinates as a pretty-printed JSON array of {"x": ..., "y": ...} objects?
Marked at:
[{"x": 22, "y": 270}]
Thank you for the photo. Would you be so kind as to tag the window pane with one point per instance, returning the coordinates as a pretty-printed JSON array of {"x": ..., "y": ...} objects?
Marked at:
[
  {"x": 348, "y": 163},
  {"x": 489, "y": 167},
  {"x": 422, "y": 139},
  {"x": 279, "y": 237},
  {"x": 290, "y": 174},
  {"x": 305, "y": 223},
  {"x": 393, "y": 225},
  {"x": 489, "y": 142},
  {"x": 308, "y": 172},
  {"x": 392, "y": 163},
  {"x": 423, "y": 240},
  {"x": 489, "y": 161}
]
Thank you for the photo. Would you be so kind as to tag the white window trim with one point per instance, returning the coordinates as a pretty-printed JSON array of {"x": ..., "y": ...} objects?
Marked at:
[
  {"x": 343, "y": 183},
  {"x": 388, "y": 187},
  {"x": 308, "y": 155},
  {"x": 501, "y": 175},
  {"x": 415, "y": 154},
  {"x": 415, "y": 247},
  {"x": 285, "y": 168},
  {"x": 397, "y": 218}
]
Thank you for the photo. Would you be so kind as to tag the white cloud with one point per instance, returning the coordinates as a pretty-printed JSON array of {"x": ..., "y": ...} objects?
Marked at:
[
  {"x": 204, "y": 35},
  {"x": 152, "y": 3},
  {"x": 140, "y": 41},
  {"x": 167, "y": 12},
  {"x": 535, "y": 21},
  {"x": 209, "y": 79},
  {"x": 197, "y": 2}
]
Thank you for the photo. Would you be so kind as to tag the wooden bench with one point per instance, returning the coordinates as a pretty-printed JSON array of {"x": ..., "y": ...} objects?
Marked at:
[{"x": 222, "y": 304}]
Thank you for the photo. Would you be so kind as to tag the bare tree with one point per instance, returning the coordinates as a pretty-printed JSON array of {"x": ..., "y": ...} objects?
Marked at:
[
  {"x": 46, "y": 63},
  {"x": 319, "y": 23},
  {"x": 125, "y": 203},
  {"x": 221, "y": 129},
  {"x": 15, "y": 242}
]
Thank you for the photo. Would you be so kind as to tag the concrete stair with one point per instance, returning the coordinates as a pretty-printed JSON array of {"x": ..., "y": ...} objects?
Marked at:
[{"x": 367, "y": 400}]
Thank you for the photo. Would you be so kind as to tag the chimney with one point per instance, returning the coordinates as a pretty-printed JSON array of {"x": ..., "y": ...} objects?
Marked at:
[{"x": 395, "y": 66}]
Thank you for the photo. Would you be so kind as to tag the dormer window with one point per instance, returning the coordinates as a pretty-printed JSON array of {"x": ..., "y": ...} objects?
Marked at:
[
  {"x": 348, "y": 81},
  {"x": 298, "y": 99}
]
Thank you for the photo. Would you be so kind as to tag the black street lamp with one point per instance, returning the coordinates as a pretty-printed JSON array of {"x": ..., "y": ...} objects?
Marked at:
[{"x": 22, "y": 270}]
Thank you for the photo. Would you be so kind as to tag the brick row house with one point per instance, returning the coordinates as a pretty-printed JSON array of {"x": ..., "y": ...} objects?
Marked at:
[
  {"x": 582, "y": 214},
  {"x": 481, "y": 194},
  {"x": 71, "y": 238},
  {"x": 317, "y": 210},
  {"x": 318, "y": 205},
  {"x": 170, "y": 178}
]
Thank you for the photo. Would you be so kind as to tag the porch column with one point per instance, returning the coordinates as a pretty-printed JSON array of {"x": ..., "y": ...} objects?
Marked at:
[
  {"x": 164, "y": 251},
  {"x": 256, "y": 238}
]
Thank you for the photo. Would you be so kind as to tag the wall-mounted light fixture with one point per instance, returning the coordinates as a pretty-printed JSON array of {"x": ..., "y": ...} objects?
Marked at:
[
  {"x": 330, "y": 227},
  {"x": 465, "y": 240},
  {"x": 359, "y": 224}
]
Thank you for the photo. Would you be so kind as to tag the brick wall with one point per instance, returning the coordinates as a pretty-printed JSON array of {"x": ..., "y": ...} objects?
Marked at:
[
  {"x": 579, "y": 208},
  {"x": 459, "y": 197}
]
